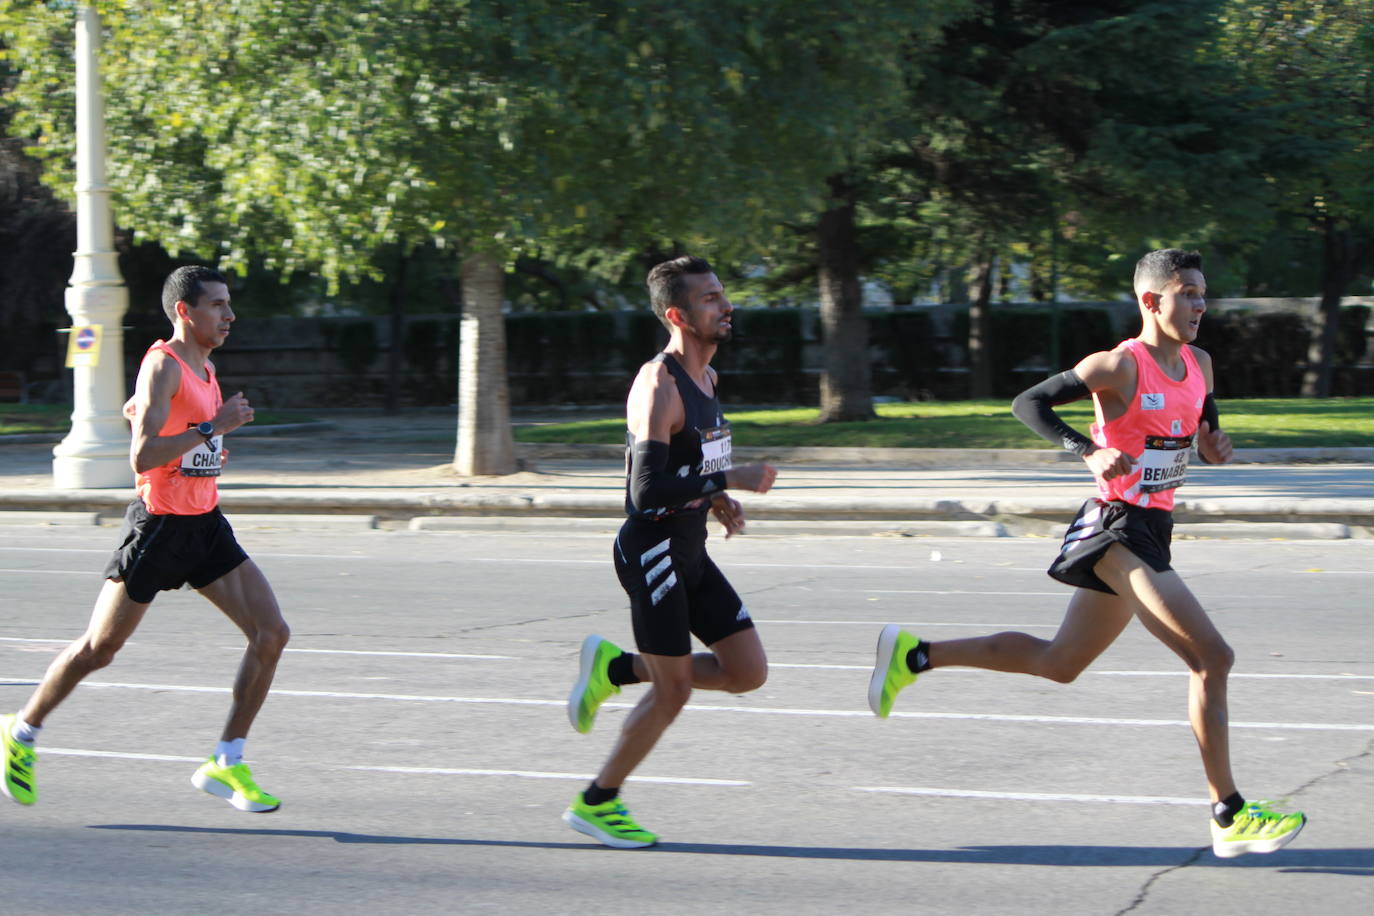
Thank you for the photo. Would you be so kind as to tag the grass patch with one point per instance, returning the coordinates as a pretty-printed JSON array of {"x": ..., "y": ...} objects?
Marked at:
[
  {"x": 1251, "y": 423},
  {"x": 57, "y": 418}
]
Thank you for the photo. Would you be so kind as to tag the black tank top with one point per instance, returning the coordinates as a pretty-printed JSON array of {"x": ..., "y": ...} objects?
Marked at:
[{"x": 704, "y": 431}]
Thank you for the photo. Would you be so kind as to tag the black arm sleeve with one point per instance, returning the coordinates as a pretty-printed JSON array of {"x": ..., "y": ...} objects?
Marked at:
[
  {"x": 1213, "y": 418},
  {"x": 1033, "y": 408},
  {"x": 652, "y": 486}
]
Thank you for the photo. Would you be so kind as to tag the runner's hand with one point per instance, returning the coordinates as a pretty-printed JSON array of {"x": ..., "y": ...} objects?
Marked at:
[
  {"x": 756, "y": 477},
  {"x": 729, "y": 513},
  {"x": 1108, "y": 463},
  {"x": 235, "y": 412},
  {"x": 1213, "y": 444}
]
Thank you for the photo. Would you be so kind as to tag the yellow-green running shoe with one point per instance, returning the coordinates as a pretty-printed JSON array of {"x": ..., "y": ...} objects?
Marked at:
[
  {"x": 18, "y": 783},
  {"x": 234, "y": 784},
  {"x": 1256, "y": 828},
  {"x": 593, "y": 685},
  {"x": 608, "y": 823},
  {"x": 890, "y": 671}
]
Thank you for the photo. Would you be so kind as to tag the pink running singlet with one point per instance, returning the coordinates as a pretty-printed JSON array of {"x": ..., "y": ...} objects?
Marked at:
[
  {"x": 187, "y": 485},
  {"x": 1156, "y": 430}
]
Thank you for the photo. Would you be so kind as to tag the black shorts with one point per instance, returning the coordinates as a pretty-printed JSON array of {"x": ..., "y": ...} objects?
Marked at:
[
  {"x": 161, "y": 552},
  {"x": 675, "y": 590},
  {"x": 1100, "y": 524}
]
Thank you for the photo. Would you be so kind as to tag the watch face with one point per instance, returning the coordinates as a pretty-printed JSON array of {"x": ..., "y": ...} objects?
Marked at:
[{"x": 205, "y": 429}]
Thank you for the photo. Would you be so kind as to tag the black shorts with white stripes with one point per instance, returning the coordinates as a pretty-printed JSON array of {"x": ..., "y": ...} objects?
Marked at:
[
  {"x": 1100, "y": 524},
  {"x": 675, "y": 589}
]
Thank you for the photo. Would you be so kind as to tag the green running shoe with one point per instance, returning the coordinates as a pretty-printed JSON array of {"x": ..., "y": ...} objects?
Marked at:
[
  {"x": 19, "y": 757},
  {"x": 593, "y": 685},
  {"x": 234, "y": 784},
  {"x": 1256, "y": 828},
  {"x": 890, "y": 671},
  {"x": 608, "y": 823}
]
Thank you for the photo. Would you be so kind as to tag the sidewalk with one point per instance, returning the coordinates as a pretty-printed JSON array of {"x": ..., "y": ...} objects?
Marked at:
[{"x": 396, "y": 471}]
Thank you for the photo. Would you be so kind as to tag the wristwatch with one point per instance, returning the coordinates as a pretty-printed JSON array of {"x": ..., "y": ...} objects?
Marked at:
[{"x": 206, "y": 429}]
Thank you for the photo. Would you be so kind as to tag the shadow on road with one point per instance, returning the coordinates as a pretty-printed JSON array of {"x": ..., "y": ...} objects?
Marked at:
[{"x": 1357, "y": 862}]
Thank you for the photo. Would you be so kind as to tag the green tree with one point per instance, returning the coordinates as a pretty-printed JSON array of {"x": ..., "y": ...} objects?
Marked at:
[
  {"x": 1315, "y": 61},
  {"x": 313, "y": 136}
]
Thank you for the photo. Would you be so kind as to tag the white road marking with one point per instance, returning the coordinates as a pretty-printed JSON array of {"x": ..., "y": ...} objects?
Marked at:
[
  {"x": 54, "y": 572},
  {"x": 418, "y": 771},
  {"x": 1034, "y": 796},
  {"x": 754, "y": 710},
  {"x": 922, "y": 623},
  {"x": 398, "y": 654}
]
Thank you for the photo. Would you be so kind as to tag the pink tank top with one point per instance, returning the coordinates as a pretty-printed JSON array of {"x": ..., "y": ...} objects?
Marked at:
[
  {"x": 187, "y": 485},
  {"x": 1156, "y": 430}
]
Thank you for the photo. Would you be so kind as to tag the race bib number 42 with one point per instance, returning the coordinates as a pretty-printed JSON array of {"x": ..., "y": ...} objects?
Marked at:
[
  {"x": 205, "y": 460},
  {"x": 1164, "y": 463},
  {"x": 715, "y": 449}
]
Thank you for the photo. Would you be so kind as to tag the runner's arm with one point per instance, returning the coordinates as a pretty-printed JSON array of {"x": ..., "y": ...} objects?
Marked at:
[
  {"x": 1213, "y": 444},
  {"x": 1035, "y": 408},
  {"x": 158, "y": 379},
  {"x": 654, "y": 412}
]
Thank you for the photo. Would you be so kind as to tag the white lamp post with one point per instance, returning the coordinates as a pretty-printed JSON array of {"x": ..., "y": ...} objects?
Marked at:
[{"x": 95, "y": 452}]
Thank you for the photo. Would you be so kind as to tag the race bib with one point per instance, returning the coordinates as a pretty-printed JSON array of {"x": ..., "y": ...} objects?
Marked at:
[
  {"x": 205, "y": 460},
  {"x": 1164, "y": 463},
  {"x": 715, "y": 449}
]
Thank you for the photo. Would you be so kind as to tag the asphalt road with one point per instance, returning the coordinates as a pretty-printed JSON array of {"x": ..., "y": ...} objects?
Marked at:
[{"x": 418, "y": 738}]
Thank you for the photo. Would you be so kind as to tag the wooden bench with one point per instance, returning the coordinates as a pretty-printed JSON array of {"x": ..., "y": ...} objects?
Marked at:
[{"x": 12, "y": 387}]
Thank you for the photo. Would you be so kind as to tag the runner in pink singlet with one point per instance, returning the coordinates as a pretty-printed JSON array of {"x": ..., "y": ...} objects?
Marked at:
[{"x": 1153, "y": 401}]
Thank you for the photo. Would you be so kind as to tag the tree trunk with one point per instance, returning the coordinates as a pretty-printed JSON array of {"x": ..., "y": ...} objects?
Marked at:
[
  {"x": 980, "y": 326},
  {"x": 846, "y": 378},
  {"x": 1337, "y": 269},
  {"x": 396, "y": 322},
  {"x": 485, "y": 444}
]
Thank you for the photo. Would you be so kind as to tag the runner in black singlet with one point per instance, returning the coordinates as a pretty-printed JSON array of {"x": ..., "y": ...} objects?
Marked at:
[{"x": 677, "y": 469}]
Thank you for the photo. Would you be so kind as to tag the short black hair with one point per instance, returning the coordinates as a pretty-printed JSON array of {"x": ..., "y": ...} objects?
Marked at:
[
  {"x": 185, "y": 284},
  {"x": 668, "y": 285},
  {"x": 1154, "y": 271}
]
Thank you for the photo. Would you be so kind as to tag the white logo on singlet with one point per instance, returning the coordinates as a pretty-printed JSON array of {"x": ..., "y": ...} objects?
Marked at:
[{"x": 1152, "y": 401}]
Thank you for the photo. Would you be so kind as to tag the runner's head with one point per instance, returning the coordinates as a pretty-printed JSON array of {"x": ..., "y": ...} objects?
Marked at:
[
  {"x": 186, "y": 284},
  {"x": 1159, "y": 268},
  {"x": 668, "y": 285}
]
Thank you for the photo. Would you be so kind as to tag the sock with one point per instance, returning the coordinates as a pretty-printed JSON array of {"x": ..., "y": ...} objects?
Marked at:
[
  {"x": 25, "y": 733},
  {"x": 595, "y": 795},
  {"x": 1224, "y": 812},
  {"x": 229, "y": 753},
  {"x": 621, "y": 670},
  {"x": 918, "y": 659}
]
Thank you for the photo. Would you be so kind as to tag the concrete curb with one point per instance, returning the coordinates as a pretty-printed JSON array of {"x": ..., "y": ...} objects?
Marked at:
[
  {"x": 280, "y": 429},
  {"x": 935, "y": 457}
]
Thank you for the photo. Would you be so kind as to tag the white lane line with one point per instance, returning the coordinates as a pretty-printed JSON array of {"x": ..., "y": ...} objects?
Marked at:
[
  {"x": 534, "y": 774},
  {"x": 1034, "y": 796},
  {"x": 24, "y": 639},
  {"x": 417, "y": 771},
  {"x": 915, "y": 625},
  {"x": 55, "y": 572},
  {"x": 1232, "y": 675},
  {"x": 755, "y": 710},
  {"x": 397, "y": 654},
  {"x": 935, "y": 591},
  {"x": 61, "y": 549},
  {"x": 1303, "y": 677}
]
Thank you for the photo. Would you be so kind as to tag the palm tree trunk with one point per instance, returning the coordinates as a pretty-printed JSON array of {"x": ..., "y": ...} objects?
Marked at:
[
  {"x": 1337, "y": 270},
  {"x": 485, "y": 444},
  {"x": 980, "y": 326},
  {"x": 846, "y": 379}
]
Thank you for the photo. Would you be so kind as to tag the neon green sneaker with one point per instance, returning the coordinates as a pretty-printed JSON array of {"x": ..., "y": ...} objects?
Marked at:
[
  {"x": 593, "y": 685},
  {"x": 235, "y": 784},
  {"x": 890, "y": 671},
  {"x": 608, "y": 823},
  {"x": 1257, "y": 828},
  {"x": 18, "y": 783}
]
